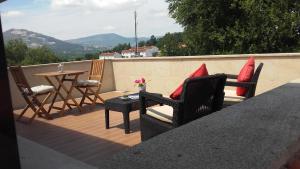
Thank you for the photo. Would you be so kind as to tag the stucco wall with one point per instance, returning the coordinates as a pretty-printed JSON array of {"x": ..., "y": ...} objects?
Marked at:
[
  {"x": 17, "y": 99},
  {"x": 164, "y": 74}
]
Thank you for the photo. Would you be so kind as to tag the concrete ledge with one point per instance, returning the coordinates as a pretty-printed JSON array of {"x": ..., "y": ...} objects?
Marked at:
[
  {"x": 35, "y": 156},
  {"x": 259, "y": 133},
  {"x": 235, "y": 56}
]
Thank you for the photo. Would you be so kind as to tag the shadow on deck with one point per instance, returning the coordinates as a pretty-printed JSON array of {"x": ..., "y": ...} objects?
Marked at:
[{"x": 82, "y": 136}]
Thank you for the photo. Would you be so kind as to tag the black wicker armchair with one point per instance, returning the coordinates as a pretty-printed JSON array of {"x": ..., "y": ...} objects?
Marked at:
[
  {"x": 230, "y": 95},
  {"x": 200, "y": 97}
]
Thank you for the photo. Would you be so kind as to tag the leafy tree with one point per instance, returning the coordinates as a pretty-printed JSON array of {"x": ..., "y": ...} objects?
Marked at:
[
  {"x": 90, "y": 56},
  {"x": 142, "y": 43},
  {"x": 42, "y": 55},
  {"x": 121, "y": 47},
  {"x": 238, "y": 26},
  {"x": 79, "y": 58},
  {"x": 15, "y": 51},
  {"x": 172, "y": 45},
  {"x": 152, "y": 41}
]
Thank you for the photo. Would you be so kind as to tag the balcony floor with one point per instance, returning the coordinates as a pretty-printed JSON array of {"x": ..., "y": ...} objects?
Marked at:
[{"x": 82, "y": 136}]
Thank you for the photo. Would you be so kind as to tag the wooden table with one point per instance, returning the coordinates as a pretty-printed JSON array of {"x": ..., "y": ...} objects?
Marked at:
[{"x": 60, "y": 78}]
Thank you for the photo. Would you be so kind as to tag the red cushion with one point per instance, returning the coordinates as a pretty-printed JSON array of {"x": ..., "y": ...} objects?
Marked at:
[
  {"x": 245, "y": 76},
  {"x": 295, "y": 164},
  {"x": 201, "y": 71}
]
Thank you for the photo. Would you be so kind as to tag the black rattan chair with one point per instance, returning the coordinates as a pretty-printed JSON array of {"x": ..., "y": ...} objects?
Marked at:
[
  {"x": 200, "y": 97},
  {"x": 230, "y": 96}
]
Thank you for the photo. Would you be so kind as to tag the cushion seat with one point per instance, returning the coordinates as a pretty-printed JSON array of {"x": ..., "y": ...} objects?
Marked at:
[
  {"x": 162, "y": 113},
  {"x": 42, "y": 89},
  {"x": 85, "y": 83},
  {"x": 230, "y": 96}
]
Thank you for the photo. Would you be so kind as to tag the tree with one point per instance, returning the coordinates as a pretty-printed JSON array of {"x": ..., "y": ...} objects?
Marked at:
[
  {"x": 121, "y": 47},
  {"x": 42, "y": 55},
  {"x": 152, "y": 41},
  {"x": 142, "y": 43},
  {"x": 238, "y": 26},
  {"x": 90, "y": 56},
  {"x": 172, "y": 45},
  {"x": 15, "y": 51}
]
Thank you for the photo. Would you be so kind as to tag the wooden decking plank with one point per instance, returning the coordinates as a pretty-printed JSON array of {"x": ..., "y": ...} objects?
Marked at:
[{"x": 82, "y": 136}]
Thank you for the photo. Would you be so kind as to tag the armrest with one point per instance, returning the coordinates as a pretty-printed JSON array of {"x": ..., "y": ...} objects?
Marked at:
[
  {"x": 177, "y": 105},
  {"x": 231, "y": 76},
  {"x": 144, "y": 96},
  {"x": 240, "y": 84}
]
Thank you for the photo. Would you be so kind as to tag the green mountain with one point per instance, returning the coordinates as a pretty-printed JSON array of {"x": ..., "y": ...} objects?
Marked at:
[
  {"x": 69, "y": 49},
  {"x": 109, "y": 40},
  {"x": 34, "y": 40}
]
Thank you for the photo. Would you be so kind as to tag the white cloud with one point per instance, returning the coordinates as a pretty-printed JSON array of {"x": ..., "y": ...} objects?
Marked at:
[
  {"x": 159, "y": 13},
  {"x": 97, "y": 4},
  {"x": 109, "y": 28},
  {"x": 71, "y": 21},
  {"x": 13, "y": 13}
]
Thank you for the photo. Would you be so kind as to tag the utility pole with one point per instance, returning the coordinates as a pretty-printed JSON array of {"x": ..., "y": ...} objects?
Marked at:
[{"x": 136, "y": 38}]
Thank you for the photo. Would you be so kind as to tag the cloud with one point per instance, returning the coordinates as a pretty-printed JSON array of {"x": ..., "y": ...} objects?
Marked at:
[
  {"x": 109, "y": 28},
  {"x": 97, "y": 4},
  {"x": 78, "y": 18},
  {"x": 13, "y": 13},
  {"x": 159, "y": 12}
]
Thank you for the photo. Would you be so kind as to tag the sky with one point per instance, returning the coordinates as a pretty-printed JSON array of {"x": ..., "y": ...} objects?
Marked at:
[{"x": 69, "y": 19}]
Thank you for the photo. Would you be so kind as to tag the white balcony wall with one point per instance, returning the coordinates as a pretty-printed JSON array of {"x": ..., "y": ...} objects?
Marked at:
[{"x": 164, "y": 74}]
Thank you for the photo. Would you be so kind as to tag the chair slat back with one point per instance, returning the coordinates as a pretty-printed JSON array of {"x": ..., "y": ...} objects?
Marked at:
[
  {"x": 202, "y": 96},
  {"x": 251, "y": 90},
  {"x": 20, "y": 79},
  {"x": 97, "y": 68}
]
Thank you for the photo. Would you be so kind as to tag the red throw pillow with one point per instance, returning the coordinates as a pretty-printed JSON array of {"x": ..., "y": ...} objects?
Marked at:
[
  {"x": 202, "y": 71},
  {"x": 245, "y": 76}
]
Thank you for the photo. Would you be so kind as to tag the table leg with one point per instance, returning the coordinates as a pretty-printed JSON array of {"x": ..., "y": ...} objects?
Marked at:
[
  {"x": 126, "y": 122},
  {"x": 69, "y": 93},
  {"x": 107, "y": 118},
  {"x": 57, "y": 92}
]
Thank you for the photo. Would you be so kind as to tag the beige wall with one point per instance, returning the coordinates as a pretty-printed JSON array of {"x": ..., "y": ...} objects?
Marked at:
[
  {"x": 164, "y": 74},
  {"x": 18, "y": 101}
]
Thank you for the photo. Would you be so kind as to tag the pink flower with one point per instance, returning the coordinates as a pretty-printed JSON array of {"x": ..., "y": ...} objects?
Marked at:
[
  {"x": 137, "y": 81},
  {"x": 143, "y": 80}
]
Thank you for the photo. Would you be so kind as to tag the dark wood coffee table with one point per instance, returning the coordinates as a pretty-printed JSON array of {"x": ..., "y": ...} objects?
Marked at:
[{"x": 124, "y": 106}]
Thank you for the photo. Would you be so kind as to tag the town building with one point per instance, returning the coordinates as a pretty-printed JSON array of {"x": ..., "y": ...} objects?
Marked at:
[
  {"x": 109, "y": 55},
  {"x": 146, "y": 51}
]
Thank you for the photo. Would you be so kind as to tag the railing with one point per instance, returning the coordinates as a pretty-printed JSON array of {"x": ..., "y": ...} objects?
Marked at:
[{"x": 164, "y": 74}]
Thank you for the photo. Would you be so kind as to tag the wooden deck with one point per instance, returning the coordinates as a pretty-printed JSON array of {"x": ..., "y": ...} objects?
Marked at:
[{"x": 82, "y": 136}]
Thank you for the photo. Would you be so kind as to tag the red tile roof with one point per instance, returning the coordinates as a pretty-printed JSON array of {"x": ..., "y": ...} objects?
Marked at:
[
  {"x": 108, "y": 53},
  {"x": 140, "y": 49}
]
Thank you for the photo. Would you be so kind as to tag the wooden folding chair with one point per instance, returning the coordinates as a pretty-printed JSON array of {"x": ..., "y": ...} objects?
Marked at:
[
  {"x": 31, "y": 94},
  {"x": 92, "y": 86}
]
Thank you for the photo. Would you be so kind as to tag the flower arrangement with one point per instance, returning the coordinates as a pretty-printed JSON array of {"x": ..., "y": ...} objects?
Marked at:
[{"x": 141, "y": 83}]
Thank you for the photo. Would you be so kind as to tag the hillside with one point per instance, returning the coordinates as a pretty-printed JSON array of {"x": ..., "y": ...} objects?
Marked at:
[
  {"x": 104, "y": 40},
  {"x": 71, "y": 48},
  {"x": 33, "y": 40}
]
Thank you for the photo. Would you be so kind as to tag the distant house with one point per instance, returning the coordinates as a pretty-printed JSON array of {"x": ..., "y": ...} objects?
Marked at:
[
  {"x": 146, "y": 51},
  {"x": 109, "y": 55}
]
